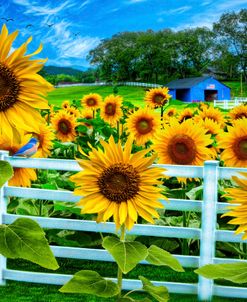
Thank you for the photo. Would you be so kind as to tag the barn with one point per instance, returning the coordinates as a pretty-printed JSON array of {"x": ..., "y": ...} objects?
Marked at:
[{"x": 198, "y": 89}]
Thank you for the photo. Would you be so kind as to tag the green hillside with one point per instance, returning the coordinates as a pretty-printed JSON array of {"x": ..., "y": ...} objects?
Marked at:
[{"x": 55, "y": 70}]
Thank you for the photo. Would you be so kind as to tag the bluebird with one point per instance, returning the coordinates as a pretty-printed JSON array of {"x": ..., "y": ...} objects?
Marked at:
[{"x": 29, "y": 149}]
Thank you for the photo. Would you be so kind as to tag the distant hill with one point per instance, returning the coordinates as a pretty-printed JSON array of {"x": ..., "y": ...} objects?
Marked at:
[{"x": 54, "y": 70}]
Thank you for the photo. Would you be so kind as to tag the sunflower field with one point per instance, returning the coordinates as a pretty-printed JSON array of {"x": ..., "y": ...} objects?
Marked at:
[{"x": 117, "y": 144}]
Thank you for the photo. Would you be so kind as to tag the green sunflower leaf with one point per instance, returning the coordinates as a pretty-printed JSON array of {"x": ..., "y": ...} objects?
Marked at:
[
  {"x": 90, "y": 282},
  {"x": 235, "y": 272},
  {"x": 127, "y": 254},
  {"x": 159, "y": 293},
  {"x": 6, "y": 172},
  {"x": 159, "y": 257},
  {"x": 25, "y": 239}
]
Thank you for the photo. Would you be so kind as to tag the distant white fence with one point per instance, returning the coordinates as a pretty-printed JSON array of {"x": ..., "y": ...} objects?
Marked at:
[
  {"x": 136, "y": 84},
  {"x": 228, "y": 104},
  {"x": 207, "y": 234}
]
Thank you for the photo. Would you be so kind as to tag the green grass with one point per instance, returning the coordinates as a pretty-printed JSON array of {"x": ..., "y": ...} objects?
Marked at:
[
  {"x": 131, "y": 94},
  {"x": 235, "y": 89},
  {"x": 29, "y": 292}
]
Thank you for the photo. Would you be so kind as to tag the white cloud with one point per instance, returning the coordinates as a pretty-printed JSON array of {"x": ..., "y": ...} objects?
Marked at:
[
  {"x": 45, "y": 10},
  {"x": 208, "y": 16},
  {"x": 68, "y": 45},
  {"x": 176, "y": 11}
]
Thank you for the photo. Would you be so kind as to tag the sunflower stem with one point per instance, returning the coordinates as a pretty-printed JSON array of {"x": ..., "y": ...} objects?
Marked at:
[
  {"x": 161, "y": 113},
  {"x": 120, "y": 273}
]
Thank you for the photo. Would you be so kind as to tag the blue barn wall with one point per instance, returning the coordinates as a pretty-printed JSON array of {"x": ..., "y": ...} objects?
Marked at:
[
  {"x": 197, "y": 92},
  {"x": 172, "y": 92}
]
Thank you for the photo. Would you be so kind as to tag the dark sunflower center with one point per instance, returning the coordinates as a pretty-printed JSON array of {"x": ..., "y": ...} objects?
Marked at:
[
  {"x": 9, "y": 88},
  {"x": 144, "y": 126},
  {"x": 170, "y": 113},
  {"x": 119, "y": 182},
  {"x": 182, "y": 149},
  {"x": 159, "y": 99},
  {"x": 91, "y": 102},
  {"x": 64, "y": 126},
  {"x": 240, "y": 115},
  {"x": 110, "y": 109},
  {"x": 186, "y": 117},
  {"x": 240, "y": 148}
]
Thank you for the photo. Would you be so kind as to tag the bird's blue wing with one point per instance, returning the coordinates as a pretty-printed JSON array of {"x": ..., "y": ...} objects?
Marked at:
[{"x": 24, "y": 148}]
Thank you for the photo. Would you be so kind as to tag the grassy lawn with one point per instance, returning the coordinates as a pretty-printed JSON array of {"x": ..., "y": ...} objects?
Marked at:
[
  {"x": 29, "y": 292},
  {"x": 131, "y": 94}
]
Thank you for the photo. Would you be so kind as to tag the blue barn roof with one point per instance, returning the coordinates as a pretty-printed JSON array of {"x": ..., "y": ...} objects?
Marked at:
[{"x": 187, "y": 82}]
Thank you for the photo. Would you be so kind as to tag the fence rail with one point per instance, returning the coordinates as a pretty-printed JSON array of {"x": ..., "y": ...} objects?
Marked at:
[
  {"x": 136, "y": 84},
  {"x": 207, "y": 234},
  {"x": 228, "y": 104}
]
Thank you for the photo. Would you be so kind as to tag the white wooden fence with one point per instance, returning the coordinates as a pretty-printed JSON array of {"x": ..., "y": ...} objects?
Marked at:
[
  {"x": 136, "y": 84},
  {"x": 228, "y": 104},
  {"x": 207, "y": 234}
]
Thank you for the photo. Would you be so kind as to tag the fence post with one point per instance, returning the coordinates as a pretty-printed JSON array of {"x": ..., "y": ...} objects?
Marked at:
[
  {"x": 3, "y": 209},
  {"x": 208, "y": 225}
]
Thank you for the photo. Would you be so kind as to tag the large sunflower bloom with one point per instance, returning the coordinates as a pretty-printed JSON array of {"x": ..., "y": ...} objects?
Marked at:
[
  {"x": 183, "y": 144},
  {"x": 22, "y": 176},
  {"x": 22, "y": 90},
  {"x": 238, "y": 196},
  {"x": 157, "y": 97},
  {"x": 91, "y": 101},
  {"x": 111, "y": 111},
  {"x": 64, "y": 125},
  {"x": 45, "y": 137},
  {"x": 211, "y": 113},
  {"x": 238, "y": 112},
  {"x": 234, "y": 143},
  {"x": 116, "y": 183},
  {"x": 143, "y": 124}
]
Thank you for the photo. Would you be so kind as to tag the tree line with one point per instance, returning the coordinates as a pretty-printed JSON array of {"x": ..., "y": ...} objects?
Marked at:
[{"x": 160, "y": 56}]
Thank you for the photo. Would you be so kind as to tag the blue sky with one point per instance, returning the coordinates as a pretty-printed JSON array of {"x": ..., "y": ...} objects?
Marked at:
[{"x": 68, "y": 29}]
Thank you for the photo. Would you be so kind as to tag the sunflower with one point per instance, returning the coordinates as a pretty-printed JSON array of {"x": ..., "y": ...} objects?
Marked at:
[
  {"x": 87, "y": 114},
  {"x": 234, "y": 143},
  {"x": 22, "y": 176},
  {"x": 115, "y": 183},
  {"x": 143, "y": 124},
  {"x": 91, "y": 101},
  {"x": 111, "y": 111},
  {"x": 238, "y": 112},
  {"x": 238, "y": 196},
  {"x": 64, "y": 125},
  {"x": 211, "y": 113},
  {"x": 65, "y": 105},
  {"x": 203, "y": 105},
  {"x": 171, "y": 112},
  {"x": 186, "y": 114},
  {"x": 183, "y": 144},
  {"x": 22, "y": 90},
  {"x": 157, "y": 97},
  {"x": 45, "y": 137},
  {"x": 73, "y": 111},
  {"x": 211, "y": 126}
]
